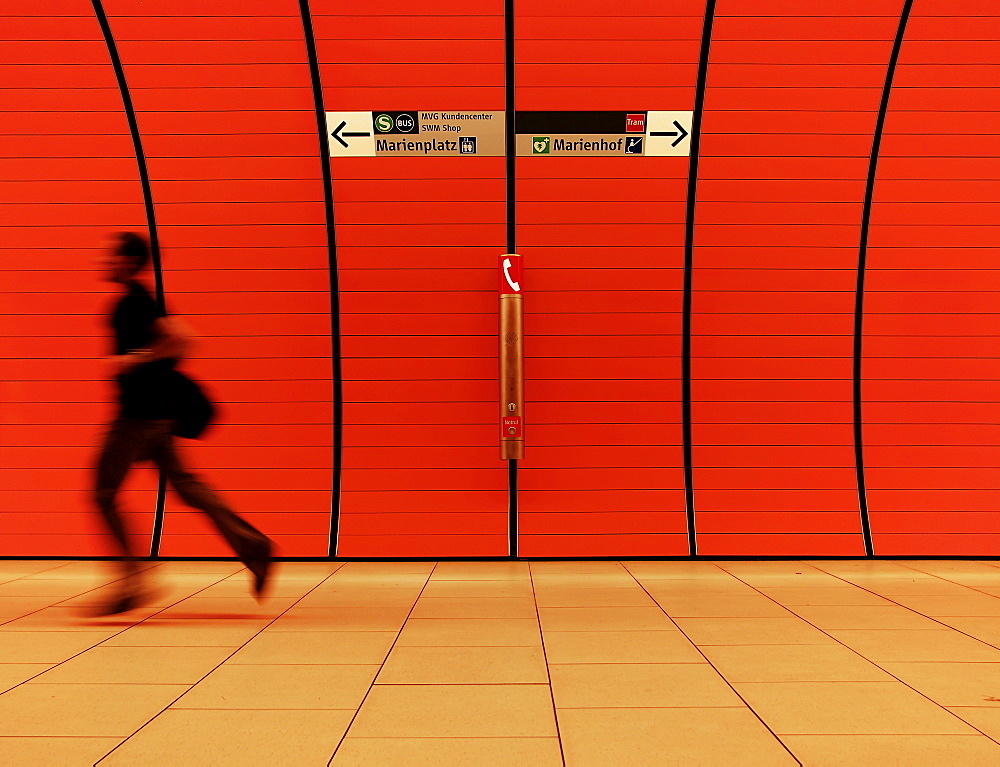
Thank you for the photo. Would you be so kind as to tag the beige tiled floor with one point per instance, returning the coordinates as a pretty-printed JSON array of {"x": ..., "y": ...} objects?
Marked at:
[{"x": 506, "y": 663}]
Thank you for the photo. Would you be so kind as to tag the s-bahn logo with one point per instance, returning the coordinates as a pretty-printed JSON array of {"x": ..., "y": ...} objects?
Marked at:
[
  {"x": 395, "y": 122},
  {"x": 541, "y": 144}
]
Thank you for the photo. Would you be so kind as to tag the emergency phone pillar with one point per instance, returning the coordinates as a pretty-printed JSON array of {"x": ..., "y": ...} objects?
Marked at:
[{"x": 511, "y": 358}]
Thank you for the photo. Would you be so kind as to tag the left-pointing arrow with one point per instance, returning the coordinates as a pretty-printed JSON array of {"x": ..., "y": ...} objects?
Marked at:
[
  {"x": 354, "y": 134},
  {"x": 336, "y": 133}
]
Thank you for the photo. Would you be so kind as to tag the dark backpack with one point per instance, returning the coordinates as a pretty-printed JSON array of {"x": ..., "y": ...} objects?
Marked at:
[{"x": 192, "y": 410}]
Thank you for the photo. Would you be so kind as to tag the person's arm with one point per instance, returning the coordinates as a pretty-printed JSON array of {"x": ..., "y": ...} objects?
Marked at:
[{"x": 174, "y": 339}]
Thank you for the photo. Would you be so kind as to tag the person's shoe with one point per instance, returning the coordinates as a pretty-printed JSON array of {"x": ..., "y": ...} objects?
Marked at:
[
  {"x": 123, "y": 603},
  {"x": 260, "y": 566}
]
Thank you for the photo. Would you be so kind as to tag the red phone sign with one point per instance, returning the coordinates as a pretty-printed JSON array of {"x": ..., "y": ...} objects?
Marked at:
[
  {"x": 510, "y": 274},
  {"x": 511, "y": 426}
]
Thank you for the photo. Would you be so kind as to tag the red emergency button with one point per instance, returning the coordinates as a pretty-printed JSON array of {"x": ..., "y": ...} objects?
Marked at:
[{"x": 511, "y": 426}]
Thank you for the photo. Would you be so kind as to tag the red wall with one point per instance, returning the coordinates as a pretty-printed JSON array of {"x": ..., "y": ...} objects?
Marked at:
[{"x": 226, "y": 113}]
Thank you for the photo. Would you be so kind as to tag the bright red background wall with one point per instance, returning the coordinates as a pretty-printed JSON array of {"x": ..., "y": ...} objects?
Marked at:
[{"x": 225, "y": 109}]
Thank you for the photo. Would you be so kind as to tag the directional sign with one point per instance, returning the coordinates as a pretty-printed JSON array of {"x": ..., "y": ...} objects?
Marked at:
[
  {"x": 350, "y": 134},
  {"x": 668, "y": 134},
  {"x": 389, "y": 133},
  {"x": 603, "y": 134}
]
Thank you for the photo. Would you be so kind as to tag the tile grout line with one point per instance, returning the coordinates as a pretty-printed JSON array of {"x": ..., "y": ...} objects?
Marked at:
[
  {"x": 381, "y": 666},
  {"x": 235, "y": 650},
  {"x": 548, "y": 670},
  {"x": 709, "y": 662},
  {"x": 869, "y": 660}
]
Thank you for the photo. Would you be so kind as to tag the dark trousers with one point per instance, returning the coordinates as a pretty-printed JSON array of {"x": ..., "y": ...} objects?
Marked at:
[{"x": 131, "y": 440}]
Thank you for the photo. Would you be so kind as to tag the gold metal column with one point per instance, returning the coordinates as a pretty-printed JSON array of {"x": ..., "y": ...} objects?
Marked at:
[{"x": 511, "y": 358}]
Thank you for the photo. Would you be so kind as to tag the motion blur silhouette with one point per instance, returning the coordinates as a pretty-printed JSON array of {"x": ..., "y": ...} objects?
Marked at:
[{"x": 156, "y": 402}]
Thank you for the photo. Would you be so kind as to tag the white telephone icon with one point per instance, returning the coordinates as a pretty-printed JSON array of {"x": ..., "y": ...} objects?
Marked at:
[{"x": 506, "y": 273}]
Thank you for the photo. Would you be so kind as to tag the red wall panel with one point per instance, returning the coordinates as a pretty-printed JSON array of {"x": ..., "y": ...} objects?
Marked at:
[
  {"x": 775, "y": 266},
  {"x": 603, "y": 244},
  {"x": 417, "y": 241},
  {"x": 929, "y": 369},
  {"x": 241, "y": 219},
  {"x": 69, "y": 176}
]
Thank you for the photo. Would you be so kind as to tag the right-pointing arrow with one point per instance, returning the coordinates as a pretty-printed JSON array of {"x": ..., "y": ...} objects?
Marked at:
[
  {"x": 680, "y": 136},
  {"x": 683, "y": 135}
]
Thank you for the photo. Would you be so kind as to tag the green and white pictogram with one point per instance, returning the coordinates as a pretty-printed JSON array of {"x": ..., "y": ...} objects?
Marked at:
[
  {"x": 383, "y": 123},
  {"x": 541, "y": 144}
]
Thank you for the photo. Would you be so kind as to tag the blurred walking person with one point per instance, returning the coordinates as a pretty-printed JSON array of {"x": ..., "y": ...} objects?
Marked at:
[{"x": 147, "y": 345}]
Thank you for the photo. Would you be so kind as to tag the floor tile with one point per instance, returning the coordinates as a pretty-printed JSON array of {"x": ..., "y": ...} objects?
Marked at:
[
  {"x": 986, "y": 719},
  {"x": 174, "y": 632},
  {"x": 54, "y": 752},
  {"x": 792, "y": 663},
  {"x": 184, "y": 737},
  {"x": 721, "y": 606},
  {"x": 229, "y": 608},
  {"x": 841, "y": 595},
  {"x": 138, "y": 665},
  {"x": 863, "y": 617},
  {"x": 619, "y": 647},
  {"x": 359, "y": 596},
  {"x": 604, "y": 619},
  {"x": 561, "y": 596},
  {"x": 107, "y": 710},
  {"x": 639, "y": 685},
  {"x": 489, "y": 571},
  {"x": 970, "y": 606},
  {"x": 200, "y": 567},
  {"x": 449, "y": 711},
  {"x": 393, "y": 568},
  {"x": 846, "y": 708},
  {"x": 45, "y": 646},
  {"x": 925, "y": 586},
  {"x": 576, "y": 567},
  {"x": 56, "y": 589},
  {"x": 16, "y": 606},
  {"x": 894, "y": 750},
  {"x": 916, "y": 645},
  {"x": 556, "y": 580},
  {"x": 436, "y": 752},
  {"x": 469, "y": 632},
  {"x": 489, "y": 607},
  {"x": 986, "y": 629},
  {"x": 677, "y": 569},
  {"x": 342, "y": 619},
  {"x": 477, "y": 589},
  {"x": 703, "y": 587},
  {"x": 673, "y": 737},
  {"x": 13, "y": 674},
  {"x": 315, "y": 648},
  {"x": 464, "y": 665},
  {"x": 952, "y": 684},
  {"x": 73, "y": 619},
  {"x": 281, "y": 686},
  {"x": 733, "y": 631}
]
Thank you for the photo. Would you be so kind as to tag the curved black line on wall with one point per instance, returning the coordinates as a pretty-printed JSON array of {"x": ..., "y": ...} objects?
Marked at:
[
  {"x": 862, "y": 259},
  {"x": 331, "y": 239},
  {"x": 699, "y": 105},
  {"x": 154, "y": 240}
]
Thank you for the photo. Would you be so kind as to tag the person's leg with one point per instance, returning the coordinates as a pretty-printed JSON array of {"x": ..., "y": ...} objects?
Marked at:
[
  {"x": 250, "y": 545},
  {"x": 123, "y": 446}
]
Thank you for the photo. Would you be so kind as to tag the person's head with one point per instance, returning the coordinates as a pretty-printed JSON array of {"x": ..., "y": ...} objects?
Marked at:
[{"x": 126, "y": 255}]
